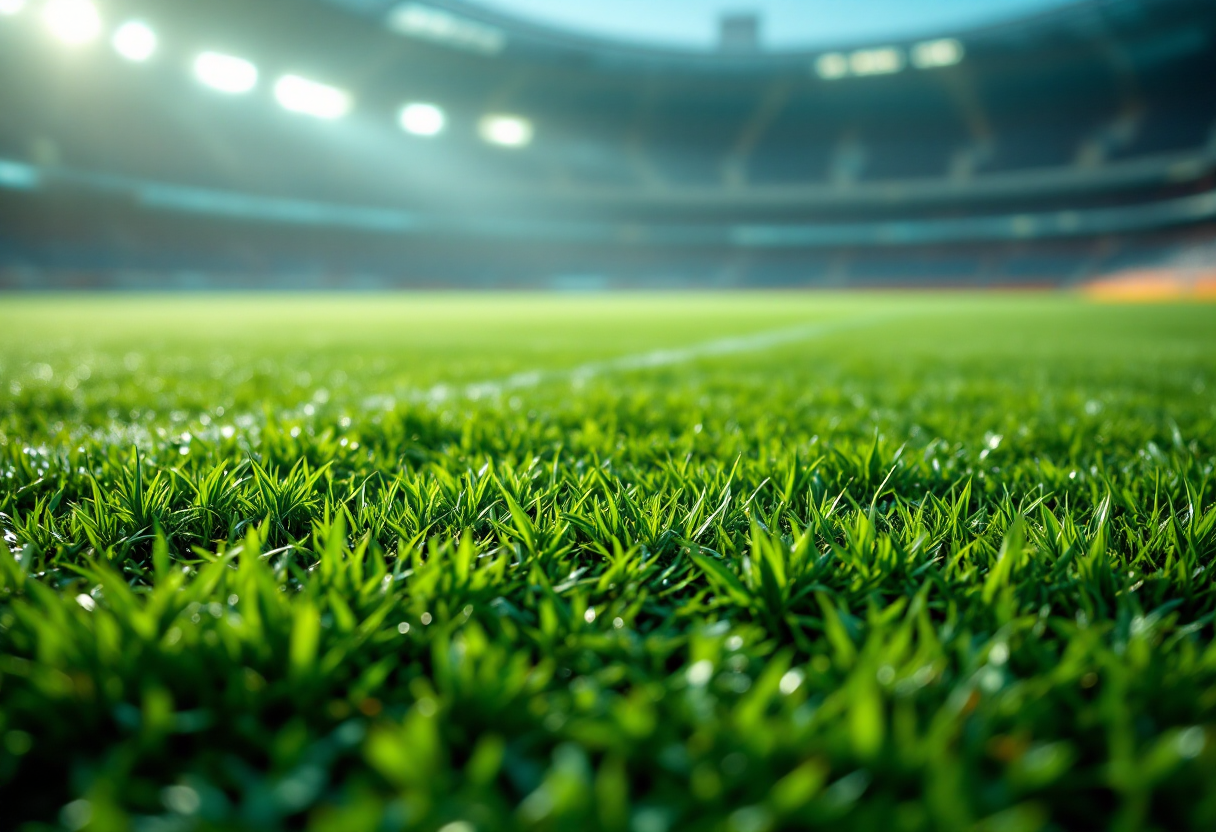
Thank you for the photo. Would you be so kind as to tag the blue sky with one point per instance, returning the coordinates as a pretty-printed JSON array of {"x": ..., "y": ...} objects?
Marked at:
[{"x": 786, "y": 23}]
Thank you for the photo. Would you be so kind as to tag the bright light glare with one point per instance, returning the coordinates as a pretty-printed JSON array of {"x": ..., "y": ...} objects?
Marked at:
[
  {"x": 11, "y": 7},
  {"x": 75, "y": 22},
  {"x": 299, "y": 95},
  {"x": 422, "y": 21},
  {"x": 226, "y": 73},
  {"x": 506, "y": 130},
  {"x": 832, "y": 66},
  {"x": 882, "y": 61},
  {"x": 135, "y": 41},
  {"x": 422, "y": 119},
  {"x": 934, "y": 53}
]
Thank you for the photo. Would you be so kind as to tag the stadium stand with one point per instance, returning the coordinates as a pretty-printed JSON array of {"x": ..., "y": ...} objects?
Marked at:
[{"x": 1042, "y": 151}]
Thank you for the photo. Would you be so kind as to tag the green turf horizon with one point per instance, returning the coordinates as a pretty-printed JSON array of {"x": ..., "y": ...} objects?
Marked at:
[{"x": 945, "y": 563}]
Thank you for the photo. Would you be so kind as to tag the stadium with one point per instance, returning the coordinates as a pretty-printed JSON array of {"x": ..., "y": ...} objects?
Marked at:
[
  {"x": 568, "y": 416},
  {"x": 1049, "y": 149}
]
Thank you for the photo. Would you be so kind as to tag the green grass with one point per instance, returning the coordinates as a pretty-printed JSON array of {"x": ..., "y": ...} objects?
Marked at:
[{"x": 944, "y": 564}]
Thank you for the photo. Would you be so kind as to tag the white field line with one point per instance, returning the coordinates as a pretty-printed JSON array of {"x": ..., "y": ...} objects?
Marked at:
[{"x": 718, "y": 347}]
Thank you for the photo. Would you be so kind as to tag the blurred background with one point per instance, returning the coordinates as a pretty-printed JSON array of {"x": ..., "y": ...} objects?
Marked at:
[{"x": 578, "y": 145}]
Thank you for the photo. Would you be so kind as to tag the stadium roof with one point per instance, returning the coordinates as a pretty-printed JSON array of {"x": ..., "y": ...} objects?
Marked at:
[
  {"x": 673, "y": 35},
  {"x": 783, "y": 24}
]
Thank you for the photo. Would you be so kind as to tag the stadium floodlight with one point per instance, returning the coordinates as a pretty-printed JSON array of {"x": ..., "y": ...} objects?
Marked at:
[
  {"x": 135, "y": 41},
  {"x": 74, "y": 22},
  {"x": 418, "y": 20},
  {"x": 831, "y": 66},
  {"x": 8, "y": 8},
  {"x": 935, "y": 53},
  {"x": 884, "y": 60},
  {"x": 506, "y": 130},
  {"x": 225, "y": 73},
  {"x": 310, "y": 98},
  {"x": 422, "y": 119}
]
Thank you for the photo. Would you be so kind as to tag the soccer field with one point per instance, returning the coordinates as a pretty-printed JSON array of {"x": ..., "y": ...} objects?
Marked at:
[{"x": 640, "y": 564}]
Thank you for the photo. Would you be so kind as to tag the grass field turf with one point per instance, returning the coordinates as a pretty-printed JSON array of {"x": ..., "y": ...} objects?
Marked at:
[{"x": 943, "y": 563}]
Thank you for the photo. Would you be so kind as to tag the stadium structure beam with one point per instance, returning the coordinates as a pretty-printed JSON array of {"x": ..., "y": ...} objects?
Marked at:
[
  {"x": 767, "y": 110},
  {"x": 635, "y": 137},
  {"x": 1095, "y": 149},
  {"x": 960, "y": 86}
]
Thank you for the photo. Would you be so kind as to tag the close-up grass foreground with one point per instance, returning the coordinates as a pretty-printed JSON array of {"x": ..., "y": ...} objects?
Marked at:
[{"x": 648, "y": 564}]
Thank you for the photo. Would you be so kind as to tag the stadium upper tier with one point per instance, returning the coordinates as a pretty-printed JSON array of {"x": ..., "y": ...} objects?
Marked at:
[{"x": 1096, "y": 117}]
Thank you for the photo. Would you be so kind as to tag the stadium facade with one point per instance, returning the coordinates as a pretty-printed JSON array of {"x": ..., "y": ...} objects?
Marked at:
[{"x": 437, "y": 144}]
